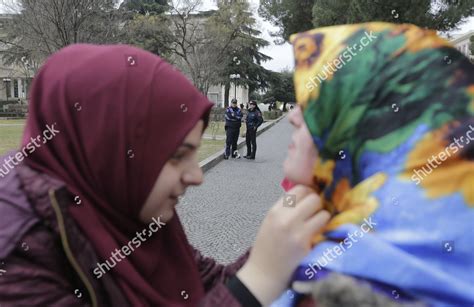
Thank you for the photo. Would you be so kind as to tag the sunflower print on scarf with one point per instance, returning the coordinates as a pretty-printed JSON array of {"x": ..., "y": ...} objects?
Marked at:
[{"x": 384, "y": 104}]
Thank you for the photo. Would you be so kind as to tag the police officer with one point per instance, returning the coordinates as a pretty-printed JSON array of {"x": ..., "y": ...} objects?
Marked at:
[
  {"x": 233, "y": 121},
  {"x": 254, "y": 120}
]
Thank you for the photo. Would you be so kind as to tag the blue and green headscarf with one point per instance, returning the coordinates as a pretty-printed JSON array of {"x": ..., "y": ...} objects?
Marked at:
[{"x": 391, "y": 111}]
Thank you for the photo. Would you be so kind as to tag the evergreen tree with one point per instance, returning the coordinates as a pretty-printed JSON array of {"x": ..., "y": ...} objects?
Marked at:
[
  {"x": 281, "y": 88},
  {"x": 242, "y": 56},
  {"x": 295, "y": 16},
  {"x": 147, "y": 26},
  {"x": 145, "y": 7},
  {"x": 290, "y": 16},
  {"x": 441, "y": 15}
]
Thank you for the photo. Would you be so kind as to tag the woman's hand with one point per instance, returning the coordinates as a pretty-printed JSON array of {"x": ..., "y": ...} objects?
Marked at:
[{"x": 282, "y": 242}]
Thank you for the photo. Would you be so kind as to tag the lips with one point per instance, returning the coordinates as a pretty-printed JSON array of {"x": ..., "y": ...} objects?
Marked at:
[
  {"x": 174, "y": 200},
  {"x": 176, "y": 196}
]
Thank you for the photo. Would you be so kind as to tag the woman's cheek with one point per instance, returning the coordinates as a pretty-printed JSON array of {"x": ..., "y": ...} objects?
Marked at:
[
  {"x": 306, "y": 172},
  {"x": 306, "y": 158}
]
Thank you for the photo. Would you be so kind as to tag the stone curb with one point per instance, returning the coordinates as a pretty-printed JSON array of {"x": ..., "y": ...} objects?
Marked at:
[{"x": 213, "y": 160}]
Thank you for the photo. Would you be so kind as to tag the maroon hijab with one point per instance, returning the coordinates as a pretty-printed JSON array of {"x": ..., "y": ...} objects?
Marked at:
[{"x": 121, "y": 112}]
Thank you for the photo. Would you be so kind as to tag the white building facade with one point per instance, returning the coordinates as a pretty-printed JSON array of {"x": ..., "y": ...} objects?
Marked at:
[
  {"x": 15, "y": 80},
  {"x": 216, "y": 94},
  {"x": 463, "y": 43},
  {"x": 13, "y": 87}
]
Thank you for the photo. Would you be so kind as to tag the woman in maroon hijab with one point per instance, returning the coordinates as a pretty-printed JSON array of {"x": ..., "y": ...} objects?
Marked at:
[{"x": 88, "y": 205}]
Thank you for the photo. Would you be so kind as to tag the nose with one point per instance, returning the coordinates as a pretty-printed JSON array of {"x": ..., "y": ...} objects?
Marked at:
[
  {"x": 296, "y": 117},
  {"x": 194, "y": 176}
]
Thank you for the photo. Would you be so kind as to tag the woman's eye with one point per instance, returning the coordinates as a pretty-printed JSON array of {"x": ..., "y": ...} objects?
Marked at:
[{"x": 179, "y": 156}]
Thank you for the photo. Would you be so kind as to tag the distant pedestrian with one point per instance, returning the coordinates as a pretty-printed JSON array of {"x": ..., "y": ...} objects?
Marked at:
[
  {"x": 233, "y": 121},
  {"x": 254, "y": 120}
]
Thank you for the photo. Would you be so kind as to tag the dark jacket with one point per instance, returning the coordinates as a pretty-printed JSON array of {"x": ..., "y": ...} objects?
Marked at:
[
  {"x": 45, "y": 260},
  {"x": 254, "y": 118},
  {"x": 233, "y": 117}
]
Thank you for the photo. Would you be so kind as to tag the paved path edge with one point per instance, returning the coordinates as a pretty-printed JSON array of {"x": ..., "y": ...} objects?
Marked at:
[{"x": 213, "y": 160}]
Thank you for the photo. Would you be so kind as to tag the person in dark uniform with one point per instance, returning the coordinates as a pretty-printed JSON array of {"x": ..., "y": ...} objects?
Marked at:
[
  {"x": 233, "y": 121},
  {"x": 254, "y": 120}
]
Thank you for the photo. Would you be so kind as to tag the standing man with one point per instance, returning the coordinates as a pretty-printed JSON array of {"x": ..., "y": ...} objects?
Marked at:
[
  {"x": 233, "y": 121},
  {"x": 254, "y": 120}
]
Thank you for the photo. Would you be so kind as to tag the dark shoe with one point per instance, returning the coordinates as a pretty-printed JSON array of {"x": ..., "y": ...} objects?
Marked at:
[
  {"x": 252, "y": 158},
  {"x": 226, "y": 157},
  {"x": 247, "y": 157}
]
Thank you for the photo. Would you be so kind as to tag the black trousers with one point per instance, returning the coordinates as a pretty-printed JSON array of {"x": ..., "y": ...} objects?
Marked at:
[
  {"x": 251, "y": 139},
  {"x": 232, "y": 136}
]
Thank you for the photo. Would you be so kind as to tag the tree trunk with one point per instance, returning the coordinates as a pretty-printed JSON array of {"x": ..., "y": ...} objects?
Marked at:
[
  {"x": 226, "y": 94},
  {"x": 206, "y": 88}
]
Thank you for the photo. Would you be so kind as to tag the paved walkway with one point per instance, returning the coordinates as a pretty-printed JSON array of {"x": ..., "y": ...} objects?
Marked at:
[
  {"x": 211, "y": 137},
  {"x": 222, "y": 216}
]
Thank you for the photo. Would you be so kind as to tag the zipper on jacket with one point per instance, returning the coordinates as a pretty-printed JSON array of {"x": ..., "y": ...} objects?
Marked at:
[{"x": 67, "y": 249}]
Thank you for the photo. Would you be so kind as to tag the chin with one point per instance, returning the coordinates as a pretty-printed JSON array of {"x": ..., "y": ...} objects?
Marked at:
[
  {"x": 297, "y": 177},
  {"x": 286, "y": 166},
  {"x": 167, "y": 216},
  {"x": 288, "y": 169}
]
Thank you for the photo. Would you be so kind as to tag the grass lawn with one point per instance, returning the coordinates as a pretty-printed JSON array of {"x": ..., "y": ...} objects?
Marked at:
[
  {"x": 210, "y": 147},
  {"x": 218, "y": 129},
  {"x": 10, "y": 134},
  {"x": 215, "y": 127},
  {"x": 12, "y": 130},
  {"x": 12, "y": 121}
]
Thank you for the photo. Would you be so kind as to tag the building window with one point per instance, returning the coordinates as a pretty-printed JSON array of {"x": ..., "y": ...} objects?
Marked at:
[
  {"x": 23, "y": 88},
  {"x": 8, "y": 89},
  {"x": 15, "y": 88}
]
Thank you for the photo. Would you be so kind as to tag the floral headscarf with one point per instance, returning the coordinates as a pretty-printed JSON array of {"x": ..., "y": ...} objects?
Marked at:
[{"x": 390, "y": 108}]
